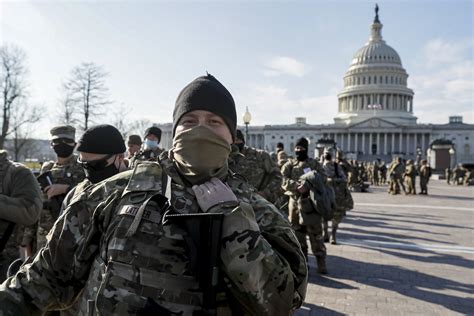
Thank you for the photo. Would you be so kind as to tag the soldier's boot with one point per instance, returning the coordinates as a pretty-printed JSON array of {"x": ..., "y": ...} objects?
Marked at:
[
  {"x": 326, "y": 234},
  {"x": 333, "y": 234},
  {"x": 321, "y": 265}
]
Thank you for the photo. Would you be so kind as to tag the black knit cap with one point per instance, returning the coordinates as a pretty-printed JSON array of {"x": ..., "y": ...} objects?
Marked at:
[
  {"x": 208, "y": 94},
  {"x": 101, "y": 139},
  {"x": 239, "y": 135},
  {"x": 154, "y": 131},
  {"x": 303, "y": 142}
]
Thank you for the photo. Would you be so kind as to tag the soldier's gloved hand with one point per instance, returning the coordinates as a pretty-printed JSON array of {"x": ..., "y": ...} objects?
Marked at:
[
  {"x": 212, "y": 193},
  {"x": 56, "y": 189}
]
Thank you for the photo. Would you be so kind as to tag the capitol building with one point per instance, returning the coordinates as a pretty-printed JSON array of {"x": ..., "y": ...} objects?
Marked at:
[{"x": 375, "y": 117}]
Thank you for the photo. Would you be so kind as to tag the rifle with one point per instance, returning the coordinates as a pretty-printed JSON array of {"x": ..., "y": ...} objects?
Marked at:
[{"x": 204, "y": 241}]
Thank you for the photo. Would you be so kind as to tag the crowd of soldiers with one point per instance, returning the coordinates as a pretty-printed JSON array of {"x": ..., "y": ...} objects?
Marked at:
[
  {"x": 459, "y": 175},
  {"x": 210, "y": 226}
]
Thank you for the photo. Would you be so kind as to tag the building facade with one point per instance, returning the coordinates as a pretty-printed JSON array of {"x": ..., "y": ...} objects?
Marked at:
[{"x": 375, "y": 116}]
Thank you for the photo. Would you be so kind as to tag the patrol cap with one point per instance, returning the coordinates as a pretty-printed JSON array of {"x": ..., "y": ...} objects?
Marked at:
[
  {"x": 134, "y": 140},
  {"x": 63, "y": 131},
  {"x": 101, "y": 139}
]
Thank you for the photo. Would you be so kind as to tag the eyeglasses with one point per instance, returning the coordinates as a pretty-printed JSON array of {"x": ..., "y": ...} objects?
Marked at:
[
  {"x": 96, "y": 165},
  {"x": 61, "y": 140}
]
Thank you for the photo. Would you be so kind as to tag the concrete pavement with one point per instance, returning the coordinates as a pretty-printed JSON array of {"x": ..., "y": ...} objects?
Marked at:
[{"x": 400, "y": 255}]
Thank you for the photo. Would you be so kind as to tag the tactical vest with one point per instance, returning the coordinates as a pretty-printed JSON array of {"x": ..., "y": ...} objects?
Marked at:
[{"x": 145, "y": 265}]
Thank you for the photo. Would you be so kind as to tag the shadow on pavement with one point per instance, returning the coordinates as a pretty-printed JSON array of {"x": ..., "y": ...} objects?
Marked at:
[
  {"x": 383, "y": 236},
  {"x": 311, "y": 309},
  {"x": 414, "y": 284}
]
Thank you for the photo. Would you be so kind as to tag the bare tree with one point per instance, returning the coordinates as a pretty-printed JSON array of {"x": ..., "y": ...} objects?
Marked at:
[
  {"x": 67, "y": 109},
  {"x": 13, "y": 85},
  {"x": 87, "y": 92},
  {"x": 22, "y": 121}
]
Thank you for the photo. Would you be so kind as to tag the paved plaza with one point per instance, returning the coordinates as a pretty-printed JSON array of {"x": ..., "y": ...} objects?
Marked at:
[{"x": 400, "y": 255}]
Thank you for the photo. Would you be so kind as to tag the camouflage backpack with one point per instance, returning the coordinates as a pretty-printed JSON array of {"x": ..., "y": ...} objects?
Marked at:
[{"x": 322, "y": 195}]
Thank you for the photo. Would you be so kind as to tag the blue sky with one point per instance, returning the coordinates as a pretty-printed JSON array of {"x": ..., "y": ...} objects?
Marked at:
[{"x": 282, "y": 59}]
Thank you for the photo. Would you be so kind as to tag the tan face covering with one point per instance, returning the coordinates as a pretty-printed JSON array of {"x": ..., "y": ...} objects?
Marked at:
[{"x": 200, "y": 154}]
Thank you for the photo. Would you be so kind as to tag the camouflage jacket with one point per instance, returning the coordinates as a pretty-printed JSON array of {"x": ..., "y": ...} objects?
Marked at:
[
  {"x": 101, "y": 248},
  {"x": 144, "y": 155},
  {"x": 20, "y": 196},
  {"x": 293, "y": 170},
  {"x": 410, "y": 171},
  {"x": 259, "y": 169}
]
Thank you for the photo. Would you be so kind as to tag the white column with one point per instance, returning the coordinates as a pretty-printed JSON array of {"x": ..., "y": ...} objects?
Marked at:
[
  {"x": 385, "y": 143},
  {"x": 401, "y": 143},
  {"x": 415, "y": 142},
  {"x": 356, "y": 149},
  {"x": 378, "y": 144},
  {"x": 423, "y": 143},
  {"x": 393, "y": 143},
  {"x": 370, "y": 143},
  {"x": 363, "y": 143},
  {"x": 408, "y": 143},
  {"x": 349, "y": 141}
]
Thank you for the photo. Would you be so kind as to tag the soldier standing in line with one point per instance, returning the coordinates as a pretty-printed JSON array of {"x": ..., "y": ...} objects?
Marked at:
[
  {"x": 299, "y": 195},
  {"x": 64, "y": 173},
  {"x": 383, "y": 172},
  {"x": 258, "y": 169},
  {"x": 150, "y": 149},
  {"x": 396, "y": 170},
  {"x": 410, "y": 177},
  {"x": 448, "y": 174},
  {"x": 425, "y": 174},
  {"x": 344, "y": 202},
  {"x": 134, "y": 244},
  {"x": 133, "y": 145},
  {"x": 20, "y": 204}
]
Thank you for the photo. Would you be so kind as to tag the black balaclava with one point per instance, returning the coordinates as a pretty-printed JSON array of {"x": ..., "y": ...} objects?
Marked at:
[
  {"x": 302, "y": 155},
  {"x": 208, "y": 94},
  {"x": 101, "y": 139}
]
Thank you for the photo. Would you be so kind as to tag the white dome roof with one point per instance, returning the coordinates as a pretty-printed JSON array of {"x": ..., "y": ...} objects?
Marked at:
[{"x": 376, "y": 52}]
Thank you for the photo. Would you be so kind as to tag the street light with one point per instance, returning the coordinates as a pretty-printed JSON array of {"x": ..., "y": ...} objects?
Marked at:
[
  {"x": 451, "y": 153},
  {"x": 247, "y": 117}
]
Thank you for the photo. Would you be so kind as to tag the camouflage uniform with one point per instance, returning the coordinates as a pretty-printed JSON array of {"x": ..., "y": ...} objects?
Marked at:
[
  {"x": 410, "y": 177},
  {"x": 425, "y": 174},
  {"x": 145, "y": 155},
  {"x": 292, "y": 171},
  {"x": 260, "y": 171},
  {"x": 20, "y": 200},
  {"x": 70, "y": 172},
  {"x": 396, "y": 170},
  {"x": 112, "y": 246}
]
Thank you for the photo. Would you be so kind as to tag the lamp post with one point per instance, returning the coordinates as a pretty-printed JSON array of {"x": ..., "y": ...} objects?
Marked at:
[
  {"x": 247, "y": 117},
  {"x": 451, "y": 154}
]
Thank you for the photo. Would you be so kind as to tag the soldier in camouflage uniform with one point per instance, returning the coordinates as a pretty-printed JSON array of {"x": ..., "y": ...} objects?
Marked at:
[
  {"x": 280, "y": 156},
  {"x": 117, "y": 244},
  {"x": 20, "y": 203},
  {"x": 425, "y": 174},
  {"x": 292, "y": 171},
  {"x": 150, "y": 150},
  {"x": 65, "y": 174},
  {"x": 410, "y": 177},
  {"x": 395, "y": 171},
  {"x": 258, "y": 168},
  {"x": 133, "y": 145},
  {"x": 337, "y": 179}
]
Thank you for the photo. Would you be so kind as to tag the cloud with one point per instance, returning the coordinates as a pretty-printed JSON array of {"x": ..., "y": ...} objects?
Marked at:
[
  {"x": 444, "y": 82},
  {"x": 272, "y": 104},
  {"x": 441, "y": 51},
  {"x": 281, "y": 65}
]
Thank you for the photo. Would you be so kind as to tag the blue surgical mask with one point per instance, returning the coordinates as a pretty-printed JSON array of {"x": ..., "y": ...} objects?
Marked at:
[{"x": 150, "y": 144}]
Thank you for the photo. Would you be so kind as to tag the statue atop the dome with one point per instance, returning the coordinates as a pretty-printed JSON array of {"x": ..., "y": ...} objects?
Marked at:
[{"x": 376, "y": 20}]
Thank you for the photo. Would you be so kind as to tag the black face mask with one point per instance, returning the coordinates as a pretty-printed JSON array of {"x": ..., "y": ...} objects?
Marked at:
[
  {"x": 97, "y": 170},
  {"x": 96, "y": 176},
  {"x": 63, "y": 150},
  {"x": 301, "y": 155},
  {"x": 241, "y": 146},
  {"x": 328, "y": 157}
]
